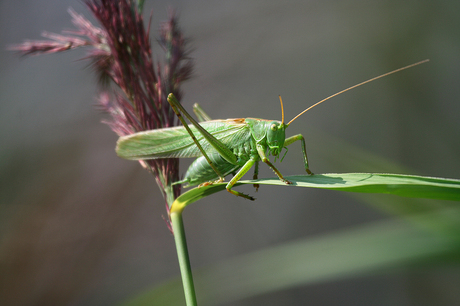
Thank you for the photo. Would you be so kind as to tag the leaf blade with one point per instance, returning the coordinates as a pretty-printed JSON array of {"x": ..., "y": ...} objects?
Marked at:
[{"x": 385, "y": 183}]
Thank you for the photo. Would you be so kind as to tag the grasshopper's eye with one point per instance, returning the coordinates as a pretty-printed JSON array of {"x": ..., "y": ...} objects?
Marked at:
[{"x": 273, "y": 127}]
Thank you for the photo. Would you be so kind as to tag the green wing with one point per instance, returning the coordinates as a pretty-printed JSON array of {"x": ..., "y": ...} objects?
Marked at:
[{"x": 175, "y": 142}]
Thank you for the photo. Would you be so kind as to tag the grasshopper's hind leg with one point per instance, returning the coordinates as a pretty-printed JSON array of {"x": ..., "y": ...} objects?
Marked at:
[
  {"x": 238, "y": 176},
  {"x": 222, "y": 149}
]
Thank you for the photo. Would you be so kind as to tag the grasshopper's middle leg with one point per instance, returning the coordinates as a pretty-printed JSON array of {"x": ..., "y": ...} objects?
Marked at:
[
  {"x": 256, "y": 175},
  {"x": 238, "y": 176},
  {"x": 293, "y": 139}
]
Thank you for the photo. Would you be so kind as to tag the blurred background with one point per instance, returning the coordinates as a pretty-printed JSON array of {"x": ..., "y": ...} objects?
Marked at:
[{"x": 79, "y": 226}]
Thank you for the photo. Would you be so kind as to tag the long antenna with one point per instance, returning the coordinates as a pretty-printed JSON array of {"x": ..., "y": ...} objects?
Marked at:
[
  {"x": 282, "y": 111},
  {"x": 357, "y": 85}
]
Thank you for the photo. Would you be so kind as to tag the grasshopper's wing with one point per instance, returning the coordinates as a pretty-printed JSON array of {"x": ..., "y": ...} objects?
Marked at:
[{"x": 175, "y": 142}]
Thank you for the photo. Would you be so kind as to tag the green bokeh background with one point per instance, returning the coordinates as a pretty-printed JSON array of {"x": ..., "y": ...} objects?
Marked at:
[{"x": 80, "y": 226}]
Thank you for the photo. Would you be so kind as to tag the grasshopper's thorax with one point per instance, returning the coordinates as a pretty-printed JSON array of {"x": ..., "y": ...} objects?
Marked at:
[{"x": 268, "y": 133}]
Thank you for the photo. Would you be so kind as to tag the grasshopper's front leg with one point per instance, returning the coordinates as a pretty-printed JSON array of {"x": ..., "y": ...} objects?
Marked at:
[
  {"x": 264, "y": 158},
  {"x": 293, "y": 139}
]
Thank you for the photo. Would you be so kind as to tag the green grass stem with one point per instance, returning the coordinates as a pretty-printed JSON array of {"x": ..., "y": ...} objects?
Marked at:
[{"x": 182, "y": 254}]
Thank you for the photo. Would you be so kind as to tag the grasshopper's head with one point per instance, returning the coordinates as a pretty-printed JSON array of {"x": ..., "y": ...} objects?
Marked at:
[
  {"x": 275, "y": 137},
  {"x": 276, "y": 134}
]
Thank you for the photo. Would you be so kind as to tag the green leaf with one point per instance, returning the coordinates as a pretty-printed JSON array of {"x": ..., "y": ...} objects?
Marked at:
[{"x": 396, "y": 184}]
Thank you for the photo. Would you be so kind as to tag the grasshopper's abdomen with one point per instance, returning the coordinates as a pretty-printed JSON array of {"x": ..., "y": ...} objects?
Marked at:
[{"x": 201, "y": 172}]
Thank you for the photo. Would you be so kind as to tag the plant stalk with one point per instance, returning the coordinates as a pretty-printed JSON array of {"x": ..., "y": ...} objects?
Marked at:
[{"x": 182, "y": 254}]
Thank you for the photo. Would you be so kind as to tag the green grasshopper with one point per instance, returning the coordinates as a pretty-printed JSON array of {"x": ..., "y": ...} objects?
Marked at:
[{"x": 222, "y": 146}]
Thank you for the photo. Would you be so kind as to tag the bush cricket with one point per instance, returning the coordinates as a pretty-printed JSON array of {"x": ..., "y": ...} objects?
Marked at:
[{"x": 222, "y": 147}]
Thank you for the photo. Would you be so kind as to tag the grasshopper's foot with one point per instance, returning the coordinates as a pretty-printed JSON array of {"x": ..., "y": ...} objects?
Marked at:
[
  {"x": 220, "y": 180},
  {"x": 309, "y": 172},
  {"x": 256, "y": 186},
  {"x": 286, "y": 181},
  {"x": 205, "y": 184},
  {"x": 240, "y": 194}
]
